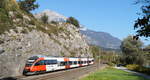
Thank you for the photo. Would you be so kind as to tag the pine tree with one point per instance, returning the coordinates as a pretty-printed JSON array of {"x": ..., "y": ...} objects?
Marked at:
[
  {"x": 73, "y": 21},
  {"x": 28, "y": 5},
  {"x": 44, "y": 18}
]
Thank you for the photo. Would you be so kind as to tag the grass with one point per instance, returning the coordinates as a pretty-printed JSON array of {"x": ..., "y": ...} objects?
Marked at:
[{"x": 112, "y": 74}]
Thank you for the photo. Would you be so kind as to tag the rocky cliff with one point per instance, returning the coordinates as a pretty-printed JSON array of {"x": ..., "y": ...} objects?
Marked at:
[{"x": 22, "y": 36}]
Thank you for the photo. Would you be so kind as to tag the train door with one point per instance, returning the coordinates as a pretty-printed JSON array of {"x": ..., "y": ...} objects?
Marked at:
[{"x": 51, "y": 65}]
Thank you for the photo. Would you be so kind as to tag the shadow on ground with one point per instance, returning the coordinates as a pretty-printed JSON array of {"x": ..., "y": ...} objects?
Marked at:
[{"x": 9, "y": 78}]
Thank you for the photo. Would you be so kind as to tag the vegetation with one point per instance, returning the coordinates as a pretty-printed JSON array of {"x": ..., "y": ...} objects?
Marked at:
[
  {"x": 44, "y": 18},
  {"x": 109, "y": 57},
  {"x": 28, "y": 5},
  {"x": 73, "y": 21},
  {"x": 146, "y": 52},
  {"x": 5, "y": 20},
  {"x": 112, "y": 74},
  {"x": 132, "y": 53},
  {"x": 18, "y": 17},
  {"x": 135, "y": 56},
  {"x": 54, "y": 22},
  {"x": 138, "y": 68},
  {"x": 95, "y": 51},
  {"x": 106, "y": 57},
  {"x": 143, "y": 24},
  {"x": 9, "y": 5}
]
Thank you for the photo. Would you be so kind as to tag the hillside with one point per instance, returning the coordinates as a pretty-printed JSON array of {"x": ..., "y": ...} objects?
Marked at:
[
  {"x": 101, "y": 39},
  {"x": 23, "y": 36}
]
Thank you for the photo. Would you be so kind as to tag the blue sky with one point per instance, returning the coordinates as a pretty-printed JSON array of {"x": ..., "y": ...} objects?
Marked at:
[{"x": 113, "y": 16}]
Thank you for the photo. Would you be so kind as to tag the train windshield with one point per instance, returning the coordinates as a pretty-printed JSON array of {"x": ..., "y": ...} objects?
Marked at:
[
  {"x": 29, "y": 63},
  {"x": 31, "y": 60}
]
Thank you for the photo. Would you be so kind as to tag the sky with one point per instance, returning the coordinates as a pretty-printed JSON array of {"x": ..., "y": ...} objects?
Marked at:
[{"x": 116, "y": 17}]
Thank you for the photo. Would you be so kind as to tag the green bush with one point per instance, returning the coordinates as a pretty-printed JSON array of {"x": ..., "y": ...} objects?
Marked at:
[
  {"x": 137, "y": 68},
  {"x": 133, "y": 67},
  {"x": 54, "y": 22},
  {"x": 44, "y": 18},
  {"x": 73, "y": 21},
  {"x": 111, "y": 64},
  {"x": 28, "y": 5},
  {"x": 5, "y": 21}
]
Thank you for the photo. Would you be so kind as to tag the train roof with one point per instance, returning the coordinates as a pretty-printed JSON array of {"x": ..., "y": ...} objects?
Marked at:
[{"x": 41, "y": 56}]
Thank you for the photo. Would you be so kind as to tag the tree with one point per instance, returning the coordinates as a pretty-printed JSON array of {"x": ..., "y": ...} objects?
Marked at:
[
  {"x": 73, "y": 21},
  {"x": 44, "y": 18},
  {"x": 132, "y": 51},
  {"x": 28, "y": 5},
  {"x": 143, "y": 24},
  {"x": 95, "y": 51},
  {"x": 129, "y": 45},
  {"x": 147, "y": 47}
]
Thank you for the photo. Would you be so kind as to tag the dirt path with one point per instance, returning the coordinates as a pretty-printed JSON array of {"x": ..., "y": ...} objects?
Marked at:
[{"x": 71, "y": 74}]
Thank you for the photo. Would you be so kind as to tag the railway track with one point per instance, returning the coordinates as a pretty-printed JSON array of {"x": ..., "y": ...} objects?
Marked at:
[{"x": 70, "y": 74}]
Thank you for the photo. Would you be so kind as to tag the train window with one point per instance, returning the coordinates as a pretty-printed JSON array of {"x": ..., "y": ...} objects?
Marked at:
[
  {"x": 29, "y": 64},
  {"x": 39, "y": 63},
  {"x": 75, "y": 62},
  {"x": 46, "y": 62},
  {"x": 42, "y": 62},
  {"x": 50, "y": 62},
  {"x": 53, "y": 61},
  {"x": 87, "y": 61},
  {"x": 70, "y": 62},
  {"x": 79, "y": 62},
  {"x": 66, "y": 63},
  {"x": 62, "y": 63}
]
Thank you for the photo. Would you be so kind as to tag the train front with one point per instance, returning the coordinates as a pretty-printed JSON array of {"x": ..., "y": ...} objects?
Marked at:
[{"x": 29, "y": 64}]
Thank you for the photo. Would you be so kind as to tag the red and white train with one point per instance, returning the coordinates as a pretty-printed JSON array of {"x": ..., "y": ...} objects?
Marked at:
[{"x": 35, "y": 64}]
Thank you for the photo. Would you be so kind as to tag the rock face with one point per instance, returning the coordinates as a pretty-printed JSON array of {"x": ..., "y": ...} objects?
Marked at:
[
  {"x": 27, "y": 37},
  {"x": 16, "y": 48}
]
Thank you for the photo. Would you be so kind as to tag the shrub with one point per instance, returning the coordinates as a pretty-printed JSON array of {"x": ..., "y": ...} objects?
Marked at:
[
  {"x": 8, "y": 5},
  {"x": 111, "y": 64},
  {"x": 73, "y": 21},
  {"x": 28, "y": 5},
  {"x": 133, "y": 67},
  {"x": 137, "y": 68},
  {"x": 54, "y": 22},
  {"x": 44, "y": 18}
]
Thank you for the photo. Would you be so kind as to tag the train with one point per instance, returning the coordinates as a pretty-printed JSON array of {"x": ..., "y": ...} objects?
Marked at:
[{"x": 40, "y": 64}]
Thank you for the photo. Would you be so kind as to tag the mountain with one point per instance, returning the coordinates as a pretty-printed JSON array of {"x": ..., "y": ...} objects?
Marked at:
[
  {"x": 101, "y": 39},
  {"x": 53, "y": 16}
]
